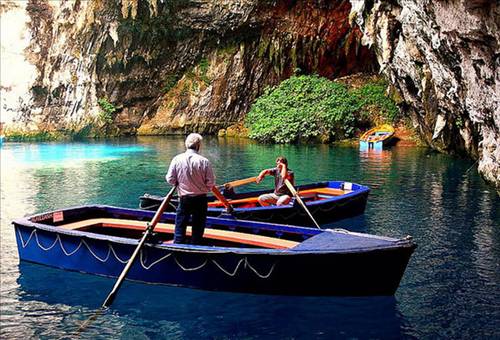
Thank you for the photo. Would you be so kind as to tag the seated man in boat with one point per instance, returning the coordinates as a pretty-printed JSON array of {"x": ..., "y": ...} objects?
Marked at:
[
  {"x": 194, "y": 177},
  {"x": 281, "y": 194}
]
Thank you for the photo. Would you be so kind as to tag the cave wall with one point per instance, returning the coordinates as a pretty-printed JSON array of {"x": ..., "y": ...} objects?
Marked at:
[
  {"x": 175, "y": 66},
  {"x": 443, "y": 57}
]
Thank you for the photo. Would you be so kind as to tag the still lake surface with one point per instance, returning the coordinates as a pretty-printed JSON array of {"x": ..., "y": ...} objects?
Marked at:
[{"x": 451, "y": 288}]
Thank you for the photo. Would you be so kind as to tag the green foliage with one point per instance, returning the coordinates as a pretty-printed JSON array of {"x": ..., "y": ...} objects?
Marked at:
[
  {"x": 204, "y": 65},
  {"x": 38, "y": 136},
  {"x": 302, "y": 107},
  {"x": 106, "y": 115},
  {"x": 39, "y": 93},
  {"x": 56, "y": 93},
  {"x": 229, "y": 50},
  {"x": 373, "y": 95},
  {"x": 307, "y": 107},
  {"x": 199, "y": 72},
  {"x": 169, "y": 82}
]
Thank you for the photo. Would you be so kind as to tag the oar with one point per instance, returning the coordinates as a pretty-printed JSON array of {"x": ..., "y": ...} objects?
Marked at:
[
  {"x": 241, "y": 182},
  {"x": 228, "y": 187},
  {"x": 221, "y": 198},
  {"x": 112, "y": 295},
  {"x": 297, "y": 197},
  {"x": 151, "y": 226}
]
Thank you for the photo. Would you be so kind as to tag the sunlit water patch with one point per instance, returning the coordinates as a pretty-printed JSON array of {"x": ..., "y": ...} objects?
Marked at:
[{"x": 63, "y": 154}]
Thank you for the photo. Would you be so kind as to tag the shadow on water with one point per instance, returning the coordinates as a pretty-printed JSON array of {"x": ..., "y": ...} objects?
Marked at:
[{"x": 171, "y": 312}]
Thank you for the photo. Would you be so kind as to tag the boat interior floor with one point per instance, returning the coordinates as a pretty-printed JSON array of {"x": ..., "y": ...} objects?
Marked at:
[{"x": 134, "y": 229}]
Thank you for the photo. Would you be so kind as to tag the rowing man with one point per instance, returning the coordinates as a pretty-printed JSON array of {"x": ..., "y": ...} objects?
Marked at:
[{"x": 194, "y": 177}]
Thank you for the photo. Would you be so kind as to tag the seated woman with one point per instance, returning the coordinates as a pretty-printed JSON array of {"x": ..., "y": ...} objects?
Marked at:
[{"x": 281, "y": 194}]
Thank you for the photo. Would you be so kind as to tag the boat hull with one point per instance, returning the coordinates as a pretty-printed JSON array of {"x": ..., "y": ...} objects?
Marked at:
[
  {"x": 325, "y": 211},
  {"x": 320, "y": 262},
  {"x": 376, "y": 272}
]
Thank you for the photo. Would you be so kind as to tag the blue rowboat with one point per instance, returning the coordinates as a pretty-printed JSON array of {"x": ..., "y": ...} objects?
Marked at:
[
  {"x": 327, "y": 201},
  {"x": 237, "y": 256}
]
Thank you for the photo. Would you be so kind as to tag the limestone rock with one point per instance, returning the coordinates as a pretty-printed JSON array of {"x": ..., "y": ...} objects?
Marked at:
[{"x": 443, "y": 57}]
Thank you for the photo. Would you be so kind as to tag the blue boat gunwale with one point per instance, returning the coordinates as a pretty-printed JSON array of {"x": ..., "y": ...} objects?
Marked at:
[
  {"x": 360, "y": 189},
  {"x": 395, "y": 243},
  {"x": 324, "y": 184}
]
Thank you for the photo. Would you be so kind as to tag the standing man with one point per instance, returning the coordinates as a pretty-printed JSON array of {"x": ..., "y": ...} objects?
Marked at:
[
  {"x": 194, "y": 177},
  {"x": 281, "y": 194}
]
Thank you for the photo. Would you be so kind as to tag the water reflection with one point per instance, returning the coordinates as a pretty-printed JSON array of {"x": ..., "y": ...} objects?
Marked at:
[{"x": 191, "y": 313}]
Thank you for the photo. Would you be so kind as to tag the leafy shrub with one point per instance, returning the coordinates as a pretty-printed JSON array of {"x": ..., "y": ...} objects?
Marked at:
[
  {"x": 308, "y": 106},
  {"x": 373, "y": 94},
  {"x": 106, "y": 115},
  {"x": 302, "y": 107},
  {"x": 169, "y": 82}
]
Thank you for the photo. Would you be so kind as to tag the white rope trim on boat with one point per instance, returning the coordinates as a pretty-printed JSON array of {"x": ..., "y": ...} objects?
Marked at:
[
  {"x": 49, "y": 248},
  {"x": 29, "y": 238},
  {"x": 116, "y": 255},
  {"x": 247, "y": 264},
  {"x": 243, "y": 261},
  {"x": 155, "y": 262},
  {"x": 226, "y": 271},
  {"x": 190, "y": 269},
  {"x": 97, "y": 257},
  {"x": 69, "y": 253}
]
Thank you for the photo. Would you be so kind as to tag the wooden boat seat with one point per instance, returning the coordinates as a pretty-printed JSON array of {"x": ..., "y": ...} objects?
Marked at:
[
  {"x": 309, "y": 193},
  {"x": 225, "y": 235},
  {"x": 250, "y": 200}
]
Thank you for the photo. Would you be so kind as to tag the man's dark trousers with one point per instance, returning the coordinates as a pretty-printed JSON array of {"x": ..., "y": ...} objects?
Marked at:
[{"x": 194, "y": 207}]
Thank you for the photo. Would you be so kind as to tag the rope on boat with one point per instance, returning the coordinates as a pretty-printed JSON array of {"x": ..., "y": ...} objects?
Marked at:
[
  {"x": 116, "y": 255},
  {"x": 152, "y": 264},
  {"x": 226, "y": 271},
  {"x": 93, "y": 254},
  {"x": 247, "y": 264},
  {"x": 70, "y": 253},
  {"x": 46, "y": 249},
  {"x": 190, "y": 269},
  {"x": 111, "y": 250}
]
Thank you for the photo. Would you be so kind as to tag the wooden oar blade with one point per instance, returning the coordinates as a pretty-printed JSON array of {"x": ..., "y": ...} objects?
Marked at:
[{"x": 241, "y": 182}]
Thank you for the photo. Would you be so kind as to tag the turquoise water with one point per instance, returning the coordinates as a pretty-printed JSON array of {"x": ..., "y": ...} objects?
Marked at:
[{"x": 450, "y": 288}]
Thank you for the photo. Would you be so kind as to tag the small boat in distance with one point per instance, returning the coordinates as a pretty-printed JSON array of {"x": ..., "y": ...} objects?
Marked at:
[
  {"x": 2, "y": 136},
  {"x": 237, "y": 256},
  {"x": 376, "y": 138},
  {"x": 327, "y": 201}
]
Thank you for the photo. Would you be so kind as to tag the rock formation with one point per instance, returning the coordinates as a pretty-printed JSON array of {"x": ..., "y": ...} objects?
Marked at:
[
  {"x": 175, "y": 66},
  {"x": 444, "y": 58}
]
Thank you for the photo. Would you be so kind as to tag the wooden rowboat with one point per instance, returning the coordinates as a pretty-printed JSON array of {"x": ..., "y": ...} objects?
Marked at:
[
  {"x": 376, "y": 138},
  {"x": 238, "y": 256},
  {"x": 327, "y": 201}
]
